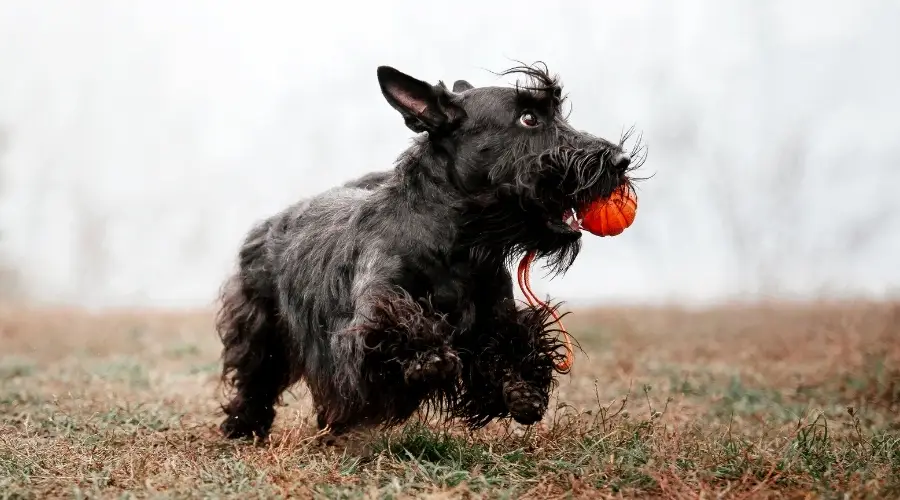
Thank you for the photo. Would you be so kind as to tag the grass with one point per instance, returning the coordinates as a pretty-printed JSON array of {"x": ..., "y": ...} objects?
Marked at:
[{"x": 774, "y": 401}]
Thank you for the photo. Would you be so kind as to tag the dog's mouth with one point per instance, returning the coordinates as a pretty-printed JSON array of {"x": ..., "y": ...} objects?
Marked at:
[
  {"x": 570, "y": 222},
  {"x": 572, "y": 218},
  {"x": 578, "y": 205}
]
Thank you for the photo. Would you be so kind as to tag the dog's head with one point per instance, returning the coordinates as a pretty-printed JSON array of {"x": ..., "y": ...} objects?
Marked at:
[{"x": 523, "y": 171}]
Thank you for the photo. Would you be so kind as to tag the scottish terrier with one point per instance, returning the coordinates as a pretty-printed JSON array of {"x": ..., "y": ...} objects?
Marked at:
[{"x": 391, "y": 293}]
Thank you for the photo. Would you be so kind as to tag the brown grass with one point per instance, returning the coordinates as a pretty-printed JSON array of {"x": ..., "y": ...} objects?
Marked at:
[{"x": 765, "y": 402}]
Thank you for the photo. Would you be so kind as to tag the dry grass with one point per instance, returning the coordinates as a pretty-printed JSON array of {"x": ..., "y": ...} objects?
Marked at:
[{"x": 774, "y": 401}]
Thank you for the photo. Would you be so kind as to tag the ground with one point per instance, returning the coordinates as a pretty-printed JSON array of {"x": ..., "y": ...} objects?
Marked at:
[{"x": 774, "y": 401}]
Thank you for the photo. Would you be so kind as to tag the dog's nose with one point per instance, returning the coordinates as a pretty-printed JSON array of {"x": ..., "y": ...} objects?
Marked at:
[{"x": 621, "y": 161}]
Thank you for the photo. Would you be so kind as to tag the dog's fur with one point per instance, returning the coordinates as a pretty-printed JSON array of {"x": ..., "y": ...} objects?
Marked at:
[{"x": 391, "y": 293}]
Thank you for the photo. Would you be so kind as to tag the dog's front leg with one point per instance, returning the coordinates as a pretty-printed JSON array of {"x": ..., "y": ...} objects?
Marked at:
[
  {"x": 395, "y": 356},
  {"x": 508, "y": 366}
]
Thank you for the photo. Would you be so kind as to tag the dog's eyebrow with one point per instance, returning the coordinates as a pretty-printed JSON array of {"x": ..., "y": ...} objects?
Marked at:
[
  {"x": 545, "y": 100},
  {"x": 540, "y": 90}
]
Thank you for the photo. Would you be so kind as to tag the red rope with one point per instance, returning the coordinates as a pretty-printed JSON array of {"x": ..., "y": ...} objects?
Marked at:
[{"x": 524, "y": 276}]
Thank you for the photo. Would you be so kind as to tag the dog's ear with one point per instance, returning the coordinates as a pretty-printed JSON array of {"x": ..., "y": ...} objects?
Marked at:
[
  {"x": 462, "y": 86},
  {"x": 424, "y": 107}
]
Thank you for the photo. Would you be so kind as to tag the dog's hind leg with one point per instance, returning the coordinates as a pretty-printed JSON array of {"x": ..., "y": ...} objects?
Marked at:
[
  {"x": 254, "y": 364},
  {"x": 254, "y": 355}
]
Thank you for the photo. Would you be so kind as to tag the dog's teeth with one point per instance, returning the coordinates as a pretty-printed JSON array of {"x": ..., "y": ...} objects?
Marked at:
[{"x": 572, "y": 219}]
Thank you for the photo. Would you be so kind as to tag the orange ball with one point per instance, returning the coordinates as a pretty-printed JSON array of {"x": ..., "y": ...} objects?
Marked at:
[{"x": 611, "y": 216}]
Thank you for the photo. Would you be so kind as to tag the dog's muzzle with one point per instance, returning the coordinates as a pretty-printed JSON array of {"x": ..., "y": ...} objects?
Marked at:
[{"x": 582, "y": 176}]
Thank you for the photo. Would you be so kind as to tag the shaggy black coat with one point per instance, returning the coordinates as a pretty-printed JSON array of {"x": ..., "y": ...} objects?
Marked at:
[{"x": 391, "y": 293}]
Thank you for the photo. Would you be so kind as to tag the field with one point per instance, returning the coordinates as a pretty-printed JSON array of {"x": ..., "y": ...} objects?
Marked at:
[{"x": 774, "y": 401}]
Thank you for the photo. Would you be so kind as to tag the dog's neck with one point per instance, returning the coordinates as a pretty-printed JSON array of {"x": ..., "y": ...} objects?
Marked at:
[
  {"x": 427, "y": 182},
  {"x": 427, "y": 172}
]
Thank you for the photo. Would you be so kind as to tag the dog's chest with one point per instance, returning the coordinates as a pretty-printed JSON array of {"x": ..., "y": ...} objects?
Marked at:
[{"x": 460, "y": 289}]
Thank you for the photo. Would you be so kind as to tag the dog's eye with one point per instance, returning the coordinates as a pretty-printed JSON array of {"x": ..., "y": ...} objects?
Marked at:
[{"x": 527, "y": 119}]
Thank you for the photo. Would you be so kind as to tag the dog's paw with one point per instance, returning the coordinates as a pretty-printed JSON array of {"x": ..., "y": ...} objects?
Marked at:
[
  {"x": 435, "y": 365},
  {"x": 234, "y": 427},
  {"x": 525, "y": 403}
]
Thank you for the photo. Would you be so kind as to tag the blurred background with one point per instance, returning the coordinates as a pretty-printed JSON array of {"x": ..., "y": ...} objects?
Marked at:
[{"x": 139, "y": 140}]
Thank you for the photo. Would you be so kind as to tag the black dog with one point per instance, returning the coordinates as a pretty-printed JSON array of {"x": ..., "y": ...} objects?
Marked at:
[{"x": 391, "y": 293}]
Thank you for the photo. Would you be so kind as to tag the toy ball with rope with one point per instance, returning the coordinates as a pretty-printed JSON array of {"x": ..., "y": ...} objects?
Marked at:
[{"x": 603, "y": 217}]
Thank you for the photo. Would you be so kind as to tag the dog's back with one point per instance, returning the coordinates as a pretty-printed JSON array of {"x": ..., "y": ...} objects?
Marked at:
[
  {"x": 303, "y": 238},
  {"x": 322, "y": 218}
]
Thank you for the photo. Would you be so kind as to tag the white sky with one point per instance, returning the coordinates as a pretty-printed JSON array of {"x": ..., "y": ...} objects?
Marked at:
[{"x": 146, "y": 136}]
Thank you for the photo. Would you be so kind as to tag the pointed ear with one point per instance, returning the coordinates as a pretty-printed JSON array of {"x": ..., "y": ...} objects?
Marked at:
[
  {"x": 424, "y": 107},
  {"x": 462, "y": 86}
]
